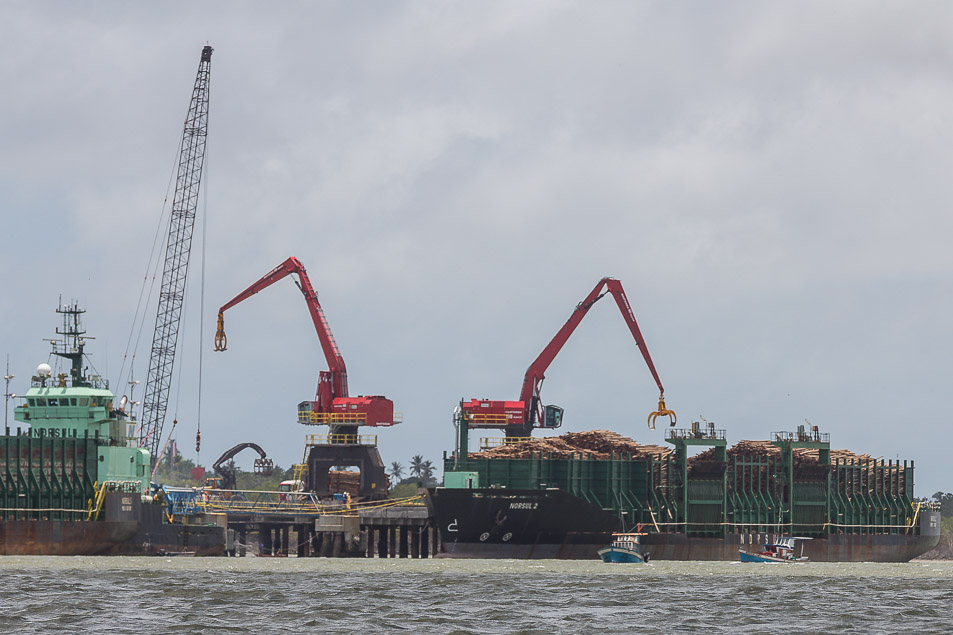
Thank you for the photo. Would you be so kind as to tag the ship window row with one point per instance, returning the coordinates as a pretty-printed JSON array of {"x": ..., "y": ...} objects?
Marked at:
[{"x": 44, "y": 402}]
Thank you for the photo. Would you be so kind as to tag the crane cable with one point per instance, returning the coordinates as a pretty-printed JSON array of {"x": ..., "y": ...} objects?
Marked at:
[
  {"x": 138, "y": 322},
  {"x": 198, "y": 417},
  {"x": 184, "y": 332}
]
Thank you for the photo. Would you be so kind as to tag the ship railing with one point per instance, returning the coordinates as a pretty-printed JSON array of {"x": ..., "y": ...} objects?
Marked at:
[
  {"x": 695, "y": 432},
  {"x": 341, "y": 439},
  {"x": 487, "y": 443},
  {"x": 801, "y": 436}
]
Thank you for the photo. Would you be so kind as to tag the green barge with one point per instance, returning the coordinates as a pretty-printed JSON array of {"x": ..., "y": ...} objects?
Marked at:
[{"x": 693, "y": 508}]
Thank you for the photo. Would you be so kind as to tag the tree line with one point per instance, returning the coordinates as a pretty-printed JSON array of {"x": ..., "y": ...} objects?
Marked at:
[
  {"x": 421, "y": 472},
  {"x": 945, "y": 499}
]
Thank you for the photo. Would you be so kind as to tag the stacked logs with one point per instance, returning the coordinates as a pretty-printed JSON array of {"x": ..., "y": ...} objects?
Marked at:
[
  {"x": 599, "y": 444},
  {"x": 340, "y": 482},
  {"x": 766, "y": 448},
  {"x": 805, "y": 464}
]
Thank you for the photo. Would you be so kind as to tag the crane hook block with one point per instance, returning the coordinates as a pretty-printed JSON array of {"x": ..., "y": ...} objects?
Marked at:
[
  {"x": 661, "y": 412},
  {"x": 220, "y": 339}
]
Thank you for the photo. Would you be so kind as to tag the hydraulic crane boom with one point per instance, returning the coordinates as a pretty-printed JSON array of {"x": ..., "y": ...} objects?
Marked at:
[
  {"x": 332, "y": 404},
  {"x": 176, "y": 266},
  {"x": 519, "y": 418},
  {"x": 335, "y": 378},
  {"x": 263, "y": 465},
  {"x": 533, "y": 380}
]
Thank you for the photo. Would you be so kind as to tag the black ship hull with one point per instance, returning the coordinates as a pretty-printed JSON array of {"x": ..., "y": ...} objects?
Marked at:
[
  {"x": 155, "y": 536},
  {"x": 503, "y": 523}
]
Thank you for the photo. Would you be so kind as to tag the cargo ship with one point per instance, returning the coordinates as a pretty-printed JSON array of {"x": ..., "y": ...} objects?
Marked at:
[
  {"x": 74, "y": 481},
  {"x": 535, "y": 503}
]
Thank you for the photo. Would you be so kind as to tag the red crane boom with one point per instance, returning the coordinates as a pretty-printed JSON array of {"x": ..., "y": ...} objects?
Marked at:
[
  {"x": 332, "y": 405},
  {"x": 520, "y": 417}
]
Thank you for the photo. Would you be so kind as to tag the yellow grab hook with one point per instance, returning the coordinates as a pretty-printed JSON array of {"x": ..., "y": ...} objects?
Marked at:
[
  {"x": 661, "y": 412},
  {"x": 220, "y": 339}
]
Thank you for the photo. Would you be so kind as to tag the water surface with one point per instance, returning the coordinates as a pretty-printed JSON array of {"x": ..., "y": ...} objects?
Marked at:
[{"x": 254, "y": 595}]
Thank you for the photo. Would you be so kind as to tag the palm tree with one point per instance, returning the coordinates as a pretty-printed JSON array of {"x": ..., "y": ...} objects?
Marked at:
[
  {"x": 396, "y": 470},
  {"x": 426, "y": 472},
  {"x": 417, "y": 466}
]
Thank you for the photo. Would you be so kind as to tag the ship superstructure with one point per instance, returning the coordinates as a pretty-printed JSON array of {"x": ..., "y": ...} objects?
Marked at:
[{"x": 77, "y": 405}]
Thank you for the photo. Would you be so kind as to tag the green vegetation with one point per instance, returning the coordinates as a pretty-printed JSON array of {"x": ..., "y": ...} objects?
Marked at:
[
  {"x": 946, "y": 511},
  {"x": 421, "y": 475},
  {"x": 946, "y": 503},
  {"x": 177, "y": 471},
  {"x": 944, "y": 550},
  {"x": 403, "y": 490}
]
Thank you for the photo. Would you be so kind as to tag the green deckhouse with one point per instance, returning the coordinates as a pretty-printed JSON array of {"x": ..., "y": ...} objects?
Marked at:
[{"x": 76, "y": 439}]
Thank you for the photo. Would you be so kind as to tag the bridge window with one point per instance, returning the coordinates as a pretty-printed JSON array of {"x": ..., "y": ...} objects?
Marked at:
[
  {"x": 53, "y": 402},
  {"x": 72, "y": 401},
  {"x": 84, "y": 401},
  {"x": 41, "y": 402},
  {"x": 32, "y": 402}
]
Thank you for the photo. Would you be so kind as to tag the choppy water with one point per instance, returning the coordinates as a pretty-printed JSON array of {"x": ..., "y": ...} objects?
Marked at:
[{"x": 254, "y": 595}]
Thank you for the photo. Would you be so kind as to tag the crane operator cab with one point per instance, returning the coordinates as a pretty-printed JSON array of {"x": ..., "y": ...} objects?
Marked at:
[{"x": 552, "y": 416}]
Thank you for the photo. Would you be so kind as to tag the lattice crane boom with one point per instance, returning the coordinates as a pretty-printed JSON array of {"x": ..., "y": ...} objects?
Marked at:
[{"x": 176, "y": 265}]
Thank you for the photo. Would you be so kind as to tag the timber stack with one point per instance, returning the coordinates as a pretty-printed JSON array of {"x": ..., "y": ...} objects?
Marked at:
[{"x": 593, "y": 444}]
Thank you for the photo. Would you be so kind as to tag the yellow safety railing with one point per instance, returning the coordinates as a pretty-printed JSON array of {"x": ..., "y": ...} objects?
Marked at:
[
  {"x": 340, "y": 418},
  {"x": 341, "y": 439},
  {"x": 410, "y": 501},
  {"x": 95, "y": 504},
  {"x": 486, "y": 419},
  {"x": 494, "y": 442},
  {"x": 332, "y": 418},
  {"x": 256, "y": 502}
]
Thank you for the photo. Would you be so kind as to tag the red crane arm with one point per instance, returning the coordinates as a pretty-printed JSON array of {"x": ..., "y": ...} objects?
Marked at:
[
  {"x": 536, "y": 372},
  {"x": 332, "y": 354}
]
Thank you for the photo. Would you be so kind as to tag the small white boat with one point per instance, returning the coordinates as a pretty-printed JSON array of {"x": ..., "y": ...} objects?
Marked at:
[{"x": 781, "y": 550}]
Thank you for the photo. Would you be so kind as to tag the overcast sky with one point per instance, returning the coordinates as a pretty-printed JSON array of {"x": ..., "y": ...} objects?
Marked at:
[{"x": 771, "y": 182}]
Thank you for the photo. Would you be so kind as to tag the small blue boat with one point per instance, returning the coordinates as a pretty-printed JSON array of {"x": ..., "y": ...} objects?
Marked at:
[
  {"x": 781, "y": 550},
  {"x": 624, "y": 548}
]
